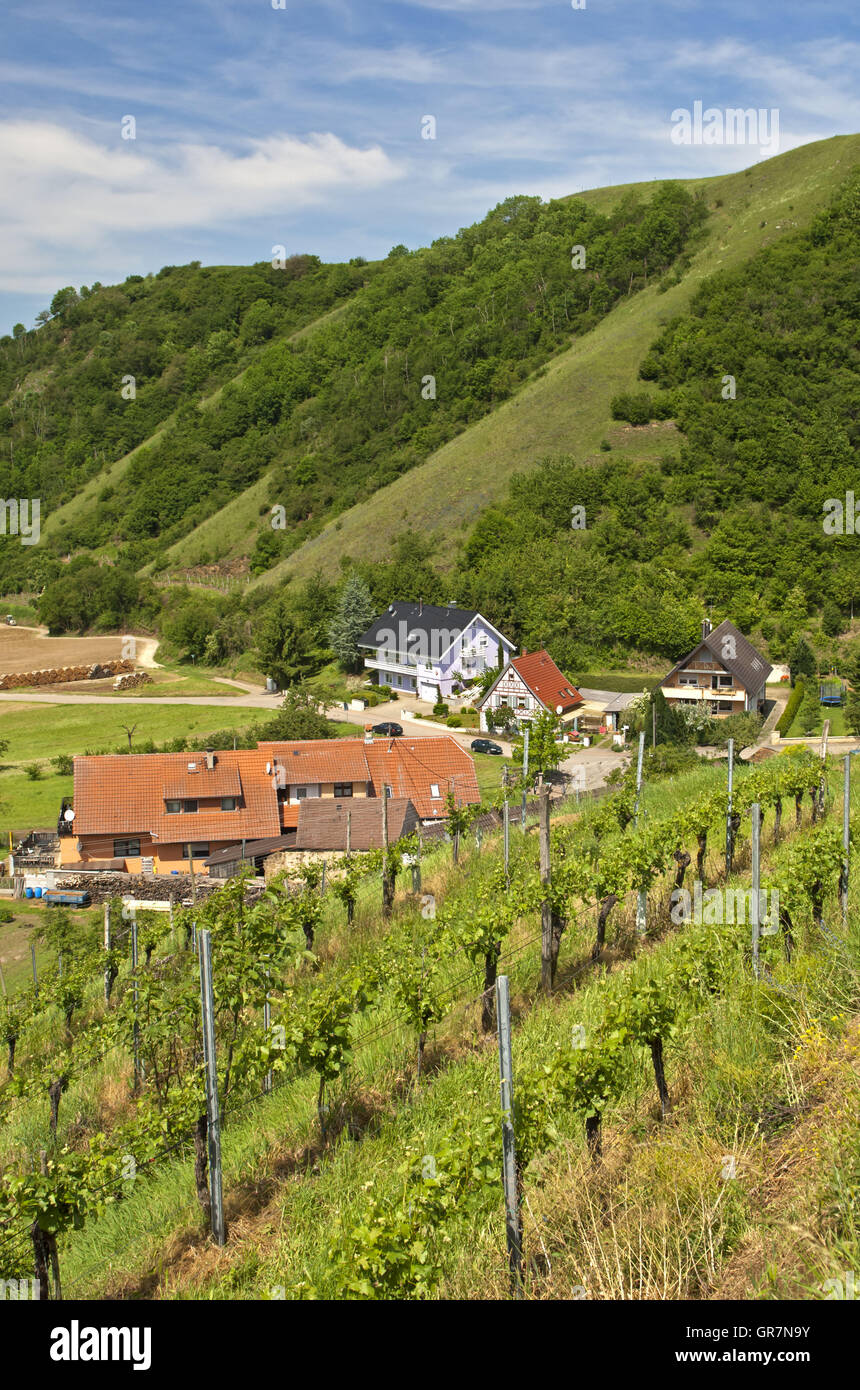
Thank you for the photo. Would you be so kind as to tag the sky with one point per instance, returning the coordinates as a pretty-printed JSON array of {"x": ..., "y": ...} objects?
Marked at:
[{"x": 266, "y": 123}]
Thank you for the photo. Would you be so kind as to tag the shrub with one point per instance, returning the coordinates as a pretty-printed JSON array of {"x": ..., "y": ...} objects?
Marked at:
[
  {"x": 786, "y": 719},
  {"x": 63, "y": 764},
  {"x": 454, "y": 721},
  {"x": 743, "y": 728},
  {"x": 440, "y": 709},
  {"x": 6, "y": 914},
  {"x": 34, "y": 771}
]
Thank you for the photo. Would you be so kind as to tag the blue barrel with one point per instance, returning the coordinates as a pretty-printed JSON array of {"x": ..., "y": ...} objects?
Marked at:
[
  {"x": 28, "y": 892},
  {"x": 37, "y": 892}
]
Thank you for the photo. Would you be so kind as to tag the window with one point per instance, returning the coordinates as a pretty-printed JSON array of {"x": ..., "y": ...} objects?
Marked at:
[
  {"x": 342, "y": 789},
  {"x": 189, "y": 805},
  {"x": 126, "y": 849},
  {"x": 522, "y": 702},
  {"x": 173, "y": 808},
  {"x": 726, "y": 681},
  {"x": 684, "y": 679},
  {"x": 197, "y": 851},
  {"x": 434, "y": 791},
  {"x": 228, "y": 803},
  {"x": 301, "y": 793}
]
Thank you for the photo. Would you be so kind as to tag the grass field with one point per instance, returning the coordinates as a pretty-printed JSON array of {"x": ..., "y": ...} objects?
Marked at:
[
  {"x": 838, "y": 726},
  {"x": 15, "y": 940},
  {"x": 625, "y": 682}
]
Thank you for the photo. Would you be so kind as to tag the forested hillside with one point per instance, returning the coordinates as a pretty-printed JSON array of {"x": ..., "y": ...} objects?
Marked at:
[
  {"x": 315, "y": 390},
  {"x": 734, "y": 516}
]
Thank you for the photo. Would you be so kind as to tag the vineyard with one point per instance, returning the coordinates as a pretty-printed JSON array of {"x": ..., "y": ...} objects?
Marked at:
[{"x": 299, "y": 1098}]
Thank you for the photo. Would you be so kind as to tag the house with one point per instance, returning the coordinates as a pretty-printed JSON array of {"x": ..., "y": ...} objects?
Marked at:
[
  {"x": 528, "y": 685},
  {"x": 153, "y": 812},
  {"x": 423, "y": 649},
  {"x": 723, "y": 674},
  {"x": 605, "y": 708}
]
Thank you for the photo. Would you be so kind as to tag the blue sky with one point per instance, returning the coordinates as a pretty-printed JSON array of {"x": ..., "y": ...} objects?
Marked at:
[{"x": 301, "y": 126}]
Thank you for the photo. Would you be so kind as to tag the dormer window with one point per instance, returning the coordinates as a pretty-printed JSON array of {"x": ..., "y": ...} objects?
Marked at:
[{"x": 229, "y": 803}]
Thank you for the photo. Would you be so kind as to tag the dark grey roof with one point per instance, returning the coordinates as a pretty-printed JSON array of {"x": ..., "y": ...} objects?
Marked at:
[
  {"x": 423, "y": 618},
  {"x": 747, "y": 665},
  {"x": 254, "y": 849}
]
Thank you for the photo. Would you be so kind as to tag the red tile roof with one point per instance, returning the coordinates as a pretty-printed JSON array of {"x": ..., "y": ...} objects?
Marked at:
[
  {"x": 124, "y": 794},
  {"x": 546, "y": 681}
]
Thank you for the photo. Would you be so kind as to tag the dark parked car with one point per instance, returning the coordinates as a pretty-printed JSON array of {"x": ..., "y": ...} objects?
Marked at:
[
  {"x": 389, "y": 730},
  {"x": 484, "y": 745}
]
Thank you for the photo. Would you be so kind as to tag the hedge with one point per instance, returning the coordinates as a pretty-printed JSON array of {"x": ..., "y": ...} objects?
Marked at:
[{"x": 786, "y": 719}]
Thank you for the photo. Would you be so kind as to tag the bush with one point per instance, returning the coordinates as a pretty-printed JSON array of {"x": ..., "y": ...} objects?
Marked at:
[
  {"x": 6, "y": 914},
  {"x": 440, "y": 709},
  {"x": 63, "y": 764},
  {"x": 786, "y": 719},
  {"x": 454, "y": 721},
  {"x": 743, "y": 728},
  {"x": 34, "y": 771}
]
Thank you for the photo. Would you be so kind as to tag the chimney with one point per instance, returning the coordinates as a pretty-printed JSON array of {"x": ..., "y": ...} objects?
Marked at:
[
  {"x": 210, "y": 759},
  {"x": 368, "y": 733},
  {"x": 706, "y": 628},
  {"x": 525, "y": 651}
]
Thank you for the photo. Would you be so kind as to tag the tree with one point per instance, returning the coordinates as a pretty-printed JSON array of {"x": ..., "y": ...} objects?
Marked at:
[
  {"x": 832, "y": 621},
  {"x": 544, "y": 752},
  {"x": 355, "y": 613},
  {"x": 299, "y": 717},
  {"x": 852, "y": 712},
  {"x": 802, "y": 660},
  {"x": 283, "y": 646}
]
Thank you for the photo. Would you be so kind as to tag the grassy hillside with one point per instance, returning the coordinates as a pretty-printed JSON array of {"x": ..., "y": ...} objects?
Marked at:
[{"x": 567, "y": 409}]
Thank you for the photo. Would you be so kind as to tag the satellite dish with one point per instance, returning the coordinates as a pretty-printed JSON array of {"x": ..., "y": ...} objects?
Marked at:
[
  {"x": 559, "y": 709},
  {"x": 68, "y": 814}
]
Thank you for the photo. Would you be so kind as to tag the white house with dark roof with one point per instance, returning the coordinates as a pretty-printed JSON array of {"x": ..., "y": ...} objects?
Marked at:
[
  {"x": 420, "y": 648},
  {"x": 723, "y": 674}
]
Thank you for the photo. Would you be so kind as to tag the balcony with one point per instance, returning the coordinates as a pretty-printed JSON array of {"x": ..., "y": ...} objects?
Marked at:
[{"x": 394, "y": 661}]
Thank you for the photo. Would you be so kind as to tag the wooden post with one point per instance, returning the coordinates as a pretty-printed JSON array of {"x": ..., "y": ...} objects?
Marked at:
[
  {"x": 322, "y": 881},
  {"x": 513, "y": 1226},
  {"x": 213, "y": 1115},
  {"x": 416, "y": 865},
  {"x": 348, "y": 833},
  {"x": 3, "y": 983},
  {"x": 387, "y": 894},
  {"x": 35, "y": 973},
  {"x": 506, "y": 824},
  {"x": 755, "y": 898},
  {"x": 822, "y": 786},
  {"x": 191, "y": 871},
  {"x": 525, "y": 777},
  {"x": 267, "y": 1026}
]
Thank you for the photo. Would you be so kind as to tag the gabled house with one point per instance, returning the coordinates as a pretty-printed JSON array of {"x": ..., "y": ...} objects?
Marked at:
[
  {"x": 528, "y": 685},
  {"x": 152, "y": 812},
  {"x": 421, "y": 649},
  {"x": 723, "y": 674}
]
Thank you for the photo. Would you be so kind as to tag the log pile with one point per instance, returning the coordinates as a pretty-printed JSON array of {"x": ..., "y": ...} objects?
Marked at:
[
  {"x": 131, "y": 679},
  {"x": 60, "y": 675}
]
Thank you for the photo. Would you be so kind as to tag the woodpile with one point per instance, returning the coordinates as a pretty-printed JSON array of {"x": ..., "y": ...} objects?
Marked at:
[
  {"x": 60, "y": 675},
  {"x": 131, "y": 679}
]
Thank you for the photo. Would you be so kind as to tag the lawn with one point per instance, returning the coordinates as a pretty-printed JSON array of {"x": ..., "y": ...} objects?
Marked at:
[
  {"x": 38, "y": 732},
  {"x": 624, "y": 682},
  {"x": 488, "y": 767},
  {"x": 838, "y": 726},
  {"x": 15, "y": 939}
]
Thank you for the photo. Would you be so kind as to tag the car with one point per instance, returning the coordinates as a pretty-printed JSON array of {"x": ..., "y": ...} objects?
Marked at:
[
  {"x": 389, "y": 730},
  {"x": 484, "y": 745}
]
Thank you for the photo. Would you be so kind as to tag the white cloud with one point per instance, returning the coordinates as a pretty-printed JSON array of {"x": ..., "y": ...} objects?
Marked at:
[{"x": 66, "y": 194}]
